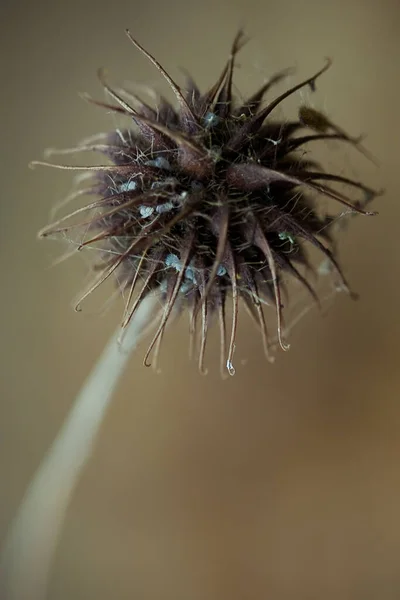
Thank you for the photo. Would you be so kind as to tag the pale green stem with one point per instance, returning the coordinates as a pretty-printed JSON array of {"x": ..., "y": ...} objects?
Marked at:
[{"x": 31, "y": 542}]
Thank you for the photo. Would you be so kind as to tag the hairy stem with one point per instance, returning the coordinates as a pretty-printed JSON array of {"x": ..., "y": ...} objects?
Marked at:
[{"x": 29, "y": 548}]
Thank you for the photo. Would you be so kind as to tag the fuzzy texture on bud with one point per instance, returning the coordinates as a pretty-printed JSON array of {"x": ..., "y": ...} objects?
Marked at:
[{"x": 210, "y": 200}]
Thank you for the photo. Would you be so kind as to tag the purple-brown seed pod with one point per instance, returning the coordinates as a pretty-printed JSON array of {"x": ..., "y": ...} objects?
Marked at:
[{"x": 210, "y": 200}]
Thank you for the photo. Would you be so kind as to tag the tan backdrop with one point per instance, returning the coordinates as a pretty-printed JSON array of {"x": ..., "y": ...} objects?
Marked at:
[{"x": 282, "y": 482}]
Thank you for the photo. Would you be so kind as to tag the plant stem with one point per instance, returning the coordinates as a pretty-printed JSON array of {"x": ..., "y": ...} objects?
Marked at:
[{"x": 32, "y": 538}]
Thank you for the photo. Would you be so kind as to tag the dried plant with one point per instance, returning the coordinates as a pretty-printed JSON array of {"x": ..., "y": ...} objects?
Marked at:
[{"x": 209, "y": 200}]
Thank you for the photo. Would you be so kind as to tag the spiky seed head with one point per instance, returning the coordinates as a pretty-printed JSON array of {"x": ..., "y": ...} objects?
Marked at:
[{"x": 209, "y": 200}]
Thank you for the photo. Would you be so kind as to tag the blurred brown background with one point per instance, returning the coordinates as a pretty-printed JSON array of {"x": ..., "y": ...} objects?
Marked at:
[{"x": 282, "y": 482}]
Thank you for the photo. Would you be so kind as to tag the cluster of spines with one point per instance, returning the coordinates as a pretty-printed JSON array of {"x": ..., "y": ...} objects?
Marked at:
[{"x": 207, "y": 196}]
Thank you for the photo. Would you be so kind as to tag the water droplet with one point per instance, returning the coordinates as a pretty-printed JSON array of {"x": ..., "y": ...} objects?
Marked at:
[
  {"x": 160, "y": 162},
  {"x": 173, "y": 261},
  {"x": 221, "y": 271},
  {"x": 146, "y": 211},
  {"x": 230, "y": 367},
  {"x": 163, "y": 208},
  {"x": 128, "y": 186},
  {"x": 211, "y": 119}
]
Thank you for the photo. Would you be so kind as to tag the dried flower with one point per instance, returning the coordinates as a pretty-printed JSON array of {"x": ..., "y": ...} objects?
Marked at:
[{"x": 211, "y": 200}]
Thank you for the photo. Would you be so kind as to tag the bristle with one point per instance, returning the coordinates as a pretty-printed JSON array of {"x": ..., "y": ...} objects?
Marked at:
[
  {"x": 150, "y": 276},
  {"x": 233, "y": 275},
  {"x": 204, "y": 323},
  {"x": 171, "y": 298},
  {"x": 252, "y": 104},
  {"x": 189, "y": 120},
  {"x": 254, "y": 123},
  {"x": 220, "y": 301}
]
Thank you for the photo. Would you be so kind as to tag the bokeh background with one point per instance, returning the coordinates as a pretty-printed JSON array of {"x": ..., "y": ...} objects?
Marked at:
[{"x": 282, "y": 482}]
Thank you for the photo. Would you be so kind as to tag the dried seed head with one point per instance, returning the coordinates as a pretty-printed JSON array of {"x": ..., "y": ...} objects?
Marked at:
[{"x": 211, "y": 200}]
